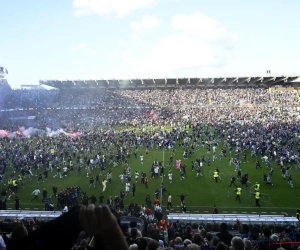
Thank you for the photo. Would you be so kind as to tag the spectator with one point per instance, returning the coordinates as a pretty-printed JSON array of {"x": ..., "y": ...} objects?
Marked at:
[
  {"x": 237, "y": 243},
  {"x": 221, "y": 246},
  {"x": 243, "y": 229},
  {"x": 134, "y": 236},
  {"x": 248, "y": 244},
  {"x": 133, "y": 247},
  {"x": 152, "y": 245},
  {"x": 224, "y": 235},
  {"x": 178, "y": 243},
  {"x": 192, "y": 246}
]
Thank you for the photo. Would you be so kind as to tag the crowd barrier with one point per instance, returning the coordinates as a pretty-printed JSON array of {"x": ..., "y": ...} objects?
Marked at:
[
  {"x": 226, "y": 218},
  {"x": 25, "y": 214}
]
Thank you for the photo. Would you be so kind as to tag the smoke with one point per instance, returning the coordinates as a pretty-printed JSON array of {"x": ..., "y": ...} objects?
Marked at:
[
  {"x": 3, "y": 133},
  {"x": 58, "y": 132},
  {"x": 27, "y": 133}
]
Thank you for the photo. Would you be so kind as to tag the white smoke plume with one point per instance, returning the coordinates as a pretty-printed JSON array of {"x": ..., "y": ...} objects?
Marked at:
[
  {"x": 52, "y": 133},
  {"x": 23, "y": 132},
  {"x": 30, "y": 131}
]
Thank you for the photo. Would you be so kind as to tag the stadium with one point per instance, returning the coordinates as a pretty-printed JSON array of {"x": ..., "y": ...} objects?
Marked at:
[{"x": 195, "y": 151}]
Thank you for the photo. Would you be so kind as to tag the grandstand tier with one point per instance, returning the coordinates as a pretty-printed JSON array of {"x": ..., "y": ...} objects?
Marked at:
[{"x": 209, "y": 82}]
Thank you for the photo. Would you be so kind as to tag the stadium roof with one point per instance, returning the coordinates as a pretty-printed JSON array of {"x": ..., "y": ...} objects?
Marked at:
[{"x": 209, "y": 82}]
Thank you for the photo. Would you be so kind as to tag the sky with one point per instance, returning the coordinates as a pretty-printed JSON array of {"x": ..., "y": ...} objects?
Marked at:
[{"x": 121, "y": 39}]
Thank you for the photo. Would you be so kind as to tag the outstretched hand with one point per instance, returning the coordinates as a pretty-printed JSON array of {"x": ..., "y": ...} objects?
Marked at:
[
  {"x": 19, "y": 231},
  {"x": 100, "y": 222}
]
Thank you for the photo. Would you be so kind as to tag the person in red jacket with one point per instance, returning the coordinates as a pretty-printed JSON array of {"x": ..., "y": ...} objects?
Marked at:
[{"x": 162, "y": 224}]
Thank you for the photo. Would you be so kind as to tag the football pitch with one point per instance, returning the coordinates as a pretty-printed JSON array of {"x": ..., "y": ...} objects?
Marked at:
[{"x": 203, "y": 192}]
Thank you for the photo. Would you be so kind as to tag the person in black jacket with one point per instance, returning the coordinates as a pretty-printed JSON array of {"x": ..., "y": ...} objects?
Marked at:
[
  {"x": 232, "y": 181},
  {"x": 224, "y": 235}
]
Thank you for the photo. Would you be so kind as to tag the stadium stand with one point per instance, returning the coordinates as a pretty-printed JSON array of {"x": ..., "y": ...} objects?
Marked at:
[{"x": 80, "y": 105}]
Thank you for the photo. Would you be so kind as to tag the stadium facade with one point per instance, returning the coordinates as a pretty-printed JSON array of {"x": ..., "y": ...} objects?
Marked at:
[{"x": 210, "y": 82}]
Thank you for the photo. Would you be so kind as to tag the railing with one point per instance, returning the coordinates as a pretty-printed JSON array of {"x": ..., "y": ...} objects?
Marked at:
[
  {"x": 20, "y": 214},
  {"x": 219, "y": 218}
]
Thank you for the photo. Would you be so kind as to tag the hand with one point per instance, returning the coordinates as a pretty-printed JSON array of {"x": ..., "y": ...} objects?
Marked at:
[
  {"x": 100, "y": 222},
  {"x": 19, "y": 231}
]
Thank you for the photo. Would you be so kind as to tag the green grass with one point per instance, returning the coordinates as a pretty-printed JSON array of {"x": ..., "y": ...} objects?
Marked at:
[{"x": 203, "y": 191}]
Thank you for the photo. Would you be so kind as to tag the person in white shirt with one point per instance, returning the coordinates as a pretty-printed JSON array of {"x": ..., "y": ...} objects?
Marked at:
[
  {"x": 65, "y": 171},
  {"x": 88, "y": 171},
  {"x": 170, "y": 175},
  {"x": 58, "y": 174},
  {"x": 265, "y": 158},
  {"x": 127, "y": 188},
  {"x": 169, "y": 202},
  {"x": 50, "y": 166},
  {"x": 156, "y": 168},
  {"x": 104, "y": 185},
  {"x": 136, "y": 176},
  {"x": 142, "y": 158},
  {"x": 158, "y": 208},
  {"x": 121, "y": 178},
  {"x": 142, "y": 210},
  {"x": 36, "y": 193}
]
